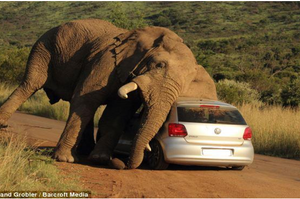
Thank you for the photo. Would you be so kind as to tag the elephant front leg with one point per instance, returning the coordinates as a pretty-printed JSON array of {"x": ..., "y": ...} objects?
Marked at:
[
  {"x": 87, "y": 142},
  {"x": 114, "y": 119},
  {"x": 80, "y": 115}
]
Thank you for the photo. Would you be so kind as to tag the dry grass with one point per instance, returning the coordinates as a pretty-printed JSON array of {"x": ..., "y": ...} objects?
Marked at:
[
  {"x": 275, "y": 129},
  {"x": 25, "y": 169}
]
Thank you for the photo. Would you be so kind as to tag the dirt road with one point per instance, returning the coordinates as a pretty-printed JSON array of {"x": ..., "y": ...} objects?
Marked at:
[{"x": 266, "y": 177}]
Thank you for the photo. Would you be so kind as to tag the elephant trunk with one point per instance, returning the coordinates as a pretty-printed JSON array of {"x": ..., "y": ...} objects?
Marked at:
[{"x": 153, "y": 118}]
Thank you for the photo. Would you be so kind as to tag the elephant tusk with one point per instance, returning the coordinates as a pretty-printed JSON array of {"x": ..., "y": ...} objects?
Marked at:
[
  {"x": 127, "y": 88},
  {"x": 148, "y": 148}
]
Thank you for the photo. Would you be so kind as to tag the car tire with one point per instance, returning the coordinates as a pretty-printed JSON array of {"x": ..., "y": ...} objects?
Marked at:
[
  {"x": 238, "y": 168},
  {"x": 155, "y": 158}
]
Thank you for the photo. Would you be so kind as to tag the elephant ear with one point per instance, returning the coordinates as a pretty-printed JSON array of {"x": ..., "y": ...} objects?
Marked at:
[
  {"x": 125, "y": 45},
  {"x": 202, "y": 86},
  {"x": 133, "y": 47},
  {"x": 169, "y": 40}
]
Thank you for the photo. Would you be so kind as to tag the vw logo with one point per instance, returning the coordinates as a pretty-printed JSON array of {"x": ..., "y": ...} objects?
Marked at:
[{"x": 217, "y": 131}]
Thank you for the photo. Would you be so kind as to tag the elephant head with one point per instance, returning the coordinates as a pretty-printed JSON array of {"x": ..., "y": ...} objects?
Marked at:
[{"x": 157, "y": 63}]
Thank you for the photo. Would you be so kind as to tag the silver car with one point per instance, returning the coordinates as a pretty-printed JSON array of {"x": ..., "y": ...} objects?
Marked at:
[{"x": 197, "y": 132}]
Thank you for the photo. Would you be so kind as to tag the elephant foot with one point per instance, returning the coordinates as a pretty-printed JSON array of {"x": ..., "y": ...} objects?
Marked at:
[
  {"x": 3, "y": 124},
  {"x": 100, "y": 158},
  {"x": 65, "y": 155},
  {"x": 116, "y": 163}
]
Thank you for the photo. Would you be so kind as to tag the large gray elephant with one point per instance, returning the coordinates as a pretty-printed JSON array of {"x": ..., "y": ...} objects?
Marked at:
[{"x": 89, "y": 62}]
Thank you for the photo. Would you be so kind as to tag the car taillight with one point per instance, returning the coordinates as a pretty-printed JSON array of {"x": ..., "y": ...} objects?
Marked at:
[
  {"x": 209, "y": 106},
  {"x": 177, "y": 130},
  {"x": 247, "y": 134}
]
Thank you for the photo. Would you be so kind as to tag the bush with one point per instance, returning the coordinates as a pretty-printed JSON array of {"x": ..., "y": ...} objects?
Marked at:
[
  {"x": 291, "y": 94},
  {"x": 163, "y": 21},
  {"x": 120, "y": 18},
  {"x": 236, "y": 92},
  {"x": 170, "y": 17},
  {"x": 13, "y": 64}
]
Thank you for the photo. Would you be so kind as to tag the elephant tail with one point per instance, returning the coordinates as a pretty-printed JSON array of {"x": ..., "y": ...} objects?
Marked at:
[{"x": 36, "y": 75}]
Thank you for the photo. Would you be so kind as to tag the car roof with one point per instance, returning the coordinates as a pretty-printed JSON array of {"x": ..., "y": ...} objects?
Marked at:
[{"x": 196, "y": 101}]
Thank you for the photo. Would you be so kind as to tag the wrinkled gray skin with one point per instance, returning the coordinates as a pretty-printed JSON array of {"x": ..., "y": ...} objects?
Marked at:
[{"x": 85, "y": 62}]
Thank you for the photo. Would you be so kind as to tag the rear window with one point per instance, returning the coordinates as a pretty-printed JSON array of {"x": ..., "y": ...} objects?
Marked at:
[{"x": 210, "y": 114}]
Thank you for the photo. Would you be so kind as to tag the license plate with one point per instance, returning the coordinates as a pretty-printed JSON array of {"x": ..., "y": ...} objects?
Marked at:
[{"x": 217, "y": 152}]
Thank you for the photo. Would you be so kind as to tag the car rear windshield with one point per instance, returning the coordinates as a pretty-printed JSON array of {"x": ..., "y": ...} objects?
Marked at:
[{"x": 210, "y": 114}]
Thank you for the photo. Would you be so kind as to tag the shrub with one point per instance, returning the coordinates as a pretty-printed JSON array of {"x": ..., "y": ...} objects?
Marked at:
[
  {"x": 12, "y": 64},
  {"x": 291, "y": 94},
  {"x": 163, "y": 21},
  {"x": 170, "y": 17},
  {"x": 236, "y": 92},
  {"x": 121, "y": 18}
]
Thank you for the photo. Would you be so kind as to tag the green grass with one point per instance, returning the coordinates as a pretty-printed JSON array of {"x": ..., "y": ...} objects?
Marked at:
[{"x": 23, "y": 168}]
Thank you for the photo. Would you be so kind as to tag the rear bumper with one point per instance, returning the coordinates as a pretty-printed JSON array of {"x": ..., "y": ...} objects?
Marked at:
[{"x": 178, "y": 151}]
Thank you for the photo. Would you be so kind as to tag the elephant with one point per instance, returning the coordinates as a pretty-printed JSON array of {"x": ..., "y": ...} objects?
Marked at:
[{"x": 91, "y": 62}]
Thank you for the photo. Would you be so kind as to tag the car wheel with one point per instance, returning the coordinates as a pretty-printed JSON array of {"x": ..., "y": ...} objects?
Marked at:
[
  {"x": 239, "y": 168},
  {"x": 156, "y": 158}
]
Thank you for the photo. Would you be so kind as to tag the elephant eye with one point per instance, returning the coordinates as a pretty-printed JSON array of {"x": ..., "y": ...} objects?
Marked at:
[{"x": 161, "y": 65}]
